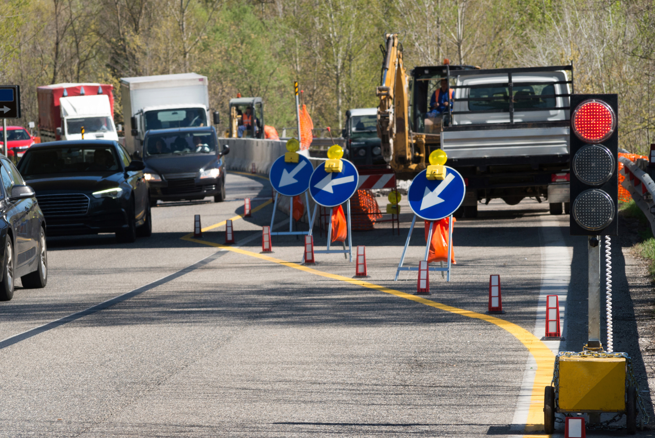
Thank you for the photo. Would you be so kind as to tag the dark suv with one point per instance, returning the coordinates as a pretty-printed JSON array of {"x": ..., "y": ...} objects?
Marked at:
[
  {"x": 184, "y": 163},
  {"x": 362, "y": 141}
]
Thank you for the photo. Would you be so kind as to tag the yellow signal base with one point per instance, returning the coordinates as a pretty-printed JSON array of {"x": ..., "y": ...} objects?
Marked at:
[
  {"x": 436, "y": 171},
  {"x": 291, "y": 157},
  {"x": 334, "y": 166},
  {"x": 393, "y": 209},
  {"x": 592, "y": 384}
]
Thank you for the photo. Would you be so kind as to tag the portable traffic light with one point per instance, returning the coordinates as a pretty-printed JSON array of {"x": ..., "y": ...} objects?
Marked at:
[{"x": 594, "y": 165}]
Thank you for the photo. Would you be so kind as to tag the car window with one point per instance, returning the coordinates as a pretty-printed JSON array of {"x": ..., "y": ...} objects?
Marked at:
[
  {"x": 17, "y": 134},
  {"x": 69, "y": 159},
  {"x": 15, "y": 174},
  {"x": 7, "y": 182},
  {"x": 124, "y": 156},
  {"x": 181, "y": 143}
]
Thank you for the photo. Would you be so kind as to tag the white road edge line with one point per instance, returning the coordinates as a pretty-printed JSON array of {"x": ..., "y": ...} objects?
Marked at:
[{"x": 556, "y": 260}]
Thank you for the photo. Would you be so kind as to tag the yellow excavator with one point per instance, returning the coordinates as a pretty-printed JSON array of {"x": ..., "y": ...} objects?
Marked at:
[{"x": 407, "y": 134}]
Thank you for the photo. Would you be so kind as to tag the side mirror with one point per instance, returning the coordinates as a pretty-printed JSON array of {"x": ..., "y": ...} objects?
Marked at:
[
  {"x": 58, "y": 131},
  {"x": 134, "y": 132},
  {"x": 134, "y": 122},
  {"x": 226, "y": 150},
  {"x": 137, "y": 155},
  {"x": 135, "y": 166},
  {"x": 217, "y": 118},
  {"x": 344, "y": 132},
  {"x": 21, "y": 192}
]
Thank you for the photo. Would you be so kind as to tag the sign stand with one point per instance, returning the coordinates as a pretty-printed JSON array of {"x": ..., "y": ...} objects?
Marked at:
[
  {"x": 291, "y": 232},
  {"x": 346, "y": 252},
  {"x": 427, "y": 250}
]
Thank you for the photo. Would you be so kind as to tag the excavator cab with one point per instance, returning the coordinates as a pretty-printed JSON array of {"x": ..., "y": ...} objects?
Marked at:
[{"x": 246, "y": 118}]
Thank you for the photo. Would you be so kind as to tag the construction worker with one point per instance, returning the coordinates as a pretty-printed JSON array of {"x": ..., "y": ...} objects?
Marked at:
[
  {"x": 439, "y": 103},
  {"x": 246, "y": 122}
]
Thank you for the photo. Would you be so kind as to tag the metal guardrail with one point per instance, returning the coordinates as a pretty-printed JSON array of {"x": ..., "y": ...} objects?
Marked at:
[{"x": 641, "y": 187}]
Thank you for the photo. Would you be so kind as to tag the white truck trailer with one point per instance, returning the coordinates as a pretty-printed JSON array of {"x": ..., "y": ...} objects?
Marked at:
[{"x": 163, "y": 102}]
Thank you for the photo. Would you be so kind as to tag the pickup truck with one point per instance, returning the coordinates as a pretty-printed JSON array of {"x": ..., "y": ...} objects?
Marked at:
[{"x": 508, "y": 135}]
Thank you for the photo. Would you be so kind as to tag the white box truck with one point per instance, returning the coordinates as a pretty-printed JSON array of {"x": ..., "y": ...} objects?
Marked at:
[{"x": 163, "y": 102}]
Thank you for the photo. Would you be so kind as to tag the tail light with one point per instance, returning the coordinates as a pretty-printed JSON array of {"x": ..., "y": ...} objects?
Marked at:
[{"x": 560, "y": 177}]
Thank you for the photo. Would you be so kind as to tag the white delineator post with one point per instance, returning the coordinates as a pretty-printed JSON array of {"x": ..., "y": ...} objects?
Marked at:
[
  {"x": 266, "y": 239},
  {"x": 197, "y": 230},
  {"x": 229, "y": 232},
  {"x": 360, "y": 270},
  {"x": 246, "y": 207},
  {"x": 552, "y": 317},
  {"x": 309, "y": 249},
  {"x": 423, "y": 284},
  {"x": 495, "y": 296}
]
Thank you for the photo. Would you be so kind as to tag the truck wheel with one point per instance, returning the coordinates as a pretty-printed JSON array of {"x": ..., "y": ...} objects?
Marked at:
[
  {"x": 549, "y": 409},
  {"x": 631, "y": 410},
  {"x": 567, "y": 208},
  {"x": 556, "y": 208}
]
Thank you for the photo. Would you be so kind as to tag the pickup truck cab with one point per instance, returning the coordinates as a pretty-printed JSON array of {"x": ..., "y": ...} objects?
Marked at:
[
  {"x": 509, "y": 136},
  {"x": 362, "y": 141}
]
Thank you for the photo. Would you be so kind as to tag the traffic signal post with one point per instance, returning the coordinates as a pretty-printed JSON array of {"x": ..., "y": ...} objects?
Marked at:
[{"x": 596, "y": 380}]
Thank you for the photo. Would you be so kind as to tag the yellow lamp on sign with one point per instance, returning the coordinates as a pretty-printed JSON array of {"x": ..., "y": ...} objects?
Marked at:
[
  {"x": 334, "y": 163},
  {"x": 436, "y": 169},
  {"x": 292, "y": 146},
  {"x": 394, "y": 199}
]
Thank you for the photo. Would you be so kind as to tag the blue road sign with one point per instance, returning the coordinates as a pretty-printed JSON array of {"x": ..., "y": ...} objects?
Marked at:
[
  {"x": 331, "y": 189},
  {"x": 435, "y": 199},
  {"x": 291, "y": 179},
  {"x": 9, "y": 101}
]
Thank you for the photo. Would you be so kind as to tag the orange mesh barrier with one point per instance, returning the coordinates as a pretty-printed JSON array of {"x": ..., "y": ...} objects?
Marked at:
[
  {"x": 339, "y": 225},
  {"x": 306, "y": 126},
  {"x": 298, "y": 208},
  {"x": 624, "y": 195},
  {"x": 439, "y": 242},
  {"x": 365, "y": 210},
  {"x": 270, "y": 133}
]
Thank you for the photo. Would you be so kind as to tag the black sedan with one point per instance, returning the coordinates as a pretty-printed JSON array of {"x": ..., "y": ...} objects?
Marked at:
[
  {"x": 22, "y": 234},
  {"x": 184, "y": 164},
  {"x": 89, "y": 187}
]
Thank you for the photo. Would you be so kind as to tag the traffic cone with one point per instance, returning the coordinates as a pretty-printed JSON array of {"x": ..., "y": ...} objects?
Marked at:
[
  {"x": 246, "y": 207},
  {"x": 552, "y": 317},
  {"x": 495, "y": 296},
  {"x": 266, "y": 239},
  {"x": 197, "y": 229},
  {"x": 360, "y": 270},
  {"x": 229, "y": 233},
  {"x": 309, "y": 249},
  {"x": 423, "y": 285}
]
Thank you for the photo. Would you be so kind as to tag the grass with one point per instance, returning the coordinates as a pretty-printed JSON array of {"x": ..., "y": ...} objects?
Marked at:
[{"x": 645, "y": 248}]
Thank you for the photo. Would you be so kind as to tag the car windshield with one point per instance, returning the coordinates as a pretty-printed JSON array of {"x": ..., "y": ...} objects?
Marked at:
[
  {"x": 90, "y": 124},
  {"x": 175, "y": 118},
  {"x": 73, "y": 159},
  {"x": 181, "y": 143},
  {"x": 364, "y": 124},
  {"x": 16, "y": 134}
]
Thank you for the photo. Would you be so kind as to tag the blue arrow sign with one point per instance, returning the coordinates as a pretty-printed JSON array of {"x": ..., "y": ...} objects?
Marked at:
[
  {"x": 435, "y": 199},
  {"x": 331, "y": 189},
  {"x": 291, "y": 179}
]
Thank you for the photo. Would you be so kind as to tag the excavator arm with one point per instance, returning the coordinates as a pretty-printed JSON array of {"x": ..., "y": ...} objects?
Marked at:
[{"x": 393, "y": 116}]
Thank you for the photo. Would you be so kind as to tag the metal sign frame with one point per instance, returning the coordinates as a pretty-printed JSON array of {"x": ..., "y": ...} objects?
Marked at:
[
  {"x": 346, "y": 252},
  {"x": 427, "y": 250},
  {"x": 291, "y": 232}
]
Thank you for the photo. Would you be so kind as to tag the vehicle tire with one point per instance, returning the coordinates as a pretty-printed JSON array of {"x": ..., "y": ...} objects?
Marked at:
[
  {"x": 471, "y": 211},
  {"x": 129, "y": 235},
  {"x": 39, "y": 278},
  {"x": 555, "y": 208},
  {"x": 221, "y": 194},
  {"x": 145, "y": 230},
  {"x": 549, "y": 410},
  {"x": 631, "y": 410},
  {"x": 567, "y": 208},
  {"x": 7, "y": 283}
]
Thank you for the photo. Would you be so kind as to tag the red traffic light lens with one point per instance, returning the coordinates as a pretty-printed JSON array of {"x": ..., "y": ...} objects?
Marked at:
[{"x": 593, "y": 121}]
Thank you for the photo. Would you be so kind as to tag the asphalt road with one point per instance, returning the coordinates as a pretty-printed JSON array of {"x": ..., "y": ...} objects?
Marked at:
[{"x": 176, "y": 336}]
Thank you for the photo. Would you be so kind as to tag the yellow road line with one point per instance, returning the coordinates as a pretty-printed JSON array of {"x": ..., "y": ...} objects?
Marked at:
[
  {"x": 235, "y": 218},
  {"x": 543, "y": 356}
]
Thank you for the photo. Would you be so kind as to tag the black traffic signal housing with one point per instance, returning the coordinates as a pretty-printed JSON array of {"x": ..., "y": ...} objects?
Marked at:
[{"x": 594, "y": 164}]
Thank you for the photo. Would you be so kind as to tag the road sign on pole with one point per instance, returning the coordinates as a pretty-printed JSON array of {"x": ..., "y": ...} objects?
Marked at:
[
  {"x": 10, "y": 101},
  {"x": 330, "y": 189},
  {"x": 291, "y": 179},
  {"x": 436, "y": 199}
]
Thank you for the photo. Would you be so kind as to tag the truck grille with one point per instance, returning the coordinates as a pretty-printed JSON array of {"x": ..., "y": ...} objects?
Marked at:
[
  {"x": 181, "y": 186},
  {"x": 75, "y": 204}
]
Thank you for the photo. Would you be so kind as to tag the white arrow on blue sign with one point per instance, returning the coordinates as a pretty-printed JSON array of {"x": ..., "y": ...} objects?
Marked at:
[
  {"x": 436, "y": 199},
  {"x": 330, "y": 189},
  {"x": 290, "y": 179}
]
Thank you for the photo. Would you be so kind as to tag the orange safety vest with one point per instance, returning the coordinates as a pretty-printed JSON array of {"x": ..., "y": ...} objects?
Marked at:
[{"x": 247, "y": 119}]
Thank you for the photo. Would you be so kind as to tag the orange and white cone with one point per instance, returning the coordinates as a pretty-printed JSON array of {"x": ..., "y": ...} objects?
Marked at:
[
  {"x": 360, "y": 270},
  {"x": 266, "y": 239},
  {"x": 552, "y": 317},
  {"x": 229, "y": 232},
  {"x": 309, "y": 249},
  {"x": 246, "y": 208},
  {"x": 495, "y": 296},
  {"x": 423, "y": 285}
]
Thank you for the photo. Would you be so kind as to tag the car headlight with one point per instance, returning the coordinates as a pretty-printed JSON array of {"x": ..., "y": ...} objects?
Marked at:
[
  {"x": 376, "y": 150},
  {"x": 152, "y": 177},
  {"x": 108, "y": 193},
  {"x": 210, "y": 173},
  {"x": 361, "y": 152}
]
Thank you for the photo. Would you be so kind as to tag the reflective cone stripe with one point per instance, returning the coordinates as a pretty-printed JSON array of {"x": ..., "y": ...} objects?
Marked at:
[
  {"x": 253, "y": 169},
  {"x": 552, "y": 317},
  {"x": 266, "y": 239},
  {"x": 246, "y": 207},
  {"x": 229, "y": 234},
  {"x": 360, "y": 270},
  {"x": 197, "y": 229},
  {"x": 309, "y": 249},
  {"x": 423, "y": 285},
  {"x": 575, "y": 428},
  {"x": 495, "y": 296}
]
